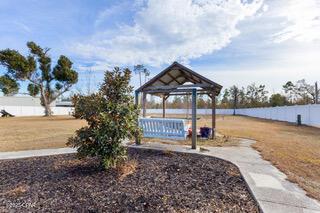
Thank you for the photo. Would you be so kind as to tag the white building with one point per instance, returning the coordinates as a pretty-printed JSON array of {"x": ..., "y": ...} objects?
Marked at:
[{"x": 21, "y": 101}]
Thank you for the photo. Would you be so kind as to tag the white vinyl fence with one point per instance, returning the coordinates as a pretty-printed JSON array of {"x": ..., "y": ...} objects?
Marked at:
[
  {"x": 310, "y": 114},
  {"x": 186, "y": 111},
  {"x": 35, "y": 110}
]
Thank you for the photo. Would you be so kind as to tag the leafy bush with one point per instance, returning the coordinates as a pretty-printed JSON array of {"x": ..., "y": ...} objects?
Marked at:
[{"x": 111, "y": 116}]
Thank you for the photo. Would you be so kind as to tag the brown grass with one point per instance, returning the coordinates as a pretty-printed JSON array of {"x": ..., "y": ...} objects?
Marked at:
[{"x": 25, "y": 133}]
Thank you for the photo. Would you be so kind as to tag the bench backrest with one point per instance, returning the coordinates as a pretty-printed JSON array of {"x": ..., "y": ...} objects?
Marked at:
[{"x": 163, "y": 128}]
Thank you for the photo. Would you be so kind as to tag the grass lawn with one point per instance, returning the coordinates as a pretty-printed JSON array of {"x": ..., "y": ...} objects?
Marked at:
[
  {"x": 24, "y": 133},
  {"x": 294, "y": 150}
]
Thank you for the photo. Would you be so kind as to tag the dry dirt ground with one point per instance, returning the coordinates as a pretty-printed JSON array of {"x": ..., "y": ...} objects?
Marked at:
[
  {"x": 294, "y": 150},
  {"x": 151, "y": 181}
]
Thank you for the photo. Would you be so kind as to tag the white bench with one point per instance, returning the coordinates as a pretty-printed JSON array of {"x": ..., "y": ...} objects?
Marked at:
[{"x": 164, "y": 128}]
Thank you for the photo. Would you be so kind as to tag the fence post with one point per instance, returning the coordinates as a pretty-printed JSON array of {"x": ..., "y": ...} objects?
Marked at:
[{"x": 299, "y": 120}]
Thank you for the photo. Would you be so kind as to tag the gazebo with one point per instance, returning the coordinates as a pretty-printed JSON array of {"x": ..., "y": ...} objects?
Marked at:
[{"x": 180, "y": 80}]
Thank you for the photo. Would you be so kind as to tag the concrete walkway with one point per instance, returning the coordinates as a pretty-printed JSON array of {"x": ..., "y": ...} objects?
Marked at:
[
  {"x": 35, "y": 153},
  {"x": 268, "y": 185}
]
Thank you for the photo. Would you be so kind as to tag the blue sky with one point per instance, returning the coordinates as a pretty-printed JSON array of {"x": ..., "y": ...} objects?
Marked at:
[{"x": 231, "y": 42}]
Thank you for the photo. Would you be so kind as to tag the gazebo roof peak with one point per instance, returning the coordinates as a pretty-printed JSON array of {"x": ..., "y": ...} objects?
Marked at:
[{"x": 178, "y": 76}]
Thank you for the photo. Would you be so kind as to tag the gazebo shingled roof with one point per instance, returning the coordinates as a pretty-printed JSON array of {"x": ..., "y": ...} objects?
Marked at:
[{"x": 174, "y": 77}]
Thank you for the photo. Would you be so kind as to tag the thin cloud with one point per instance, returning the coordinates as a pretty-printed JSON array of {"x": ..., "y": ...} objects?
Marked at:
[
  {"x": 23, "y": 26},
  {"x": 107, "y": 13}
]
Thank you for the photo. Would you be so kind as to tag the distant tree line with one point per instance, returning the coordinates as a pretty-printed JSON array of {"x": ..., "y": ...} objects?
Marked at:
[{"x": 298, "y": 93}]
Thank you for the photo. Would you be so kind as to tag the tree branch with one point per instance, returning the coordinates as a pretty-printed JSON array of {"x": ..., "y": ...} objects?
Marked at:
[{"x": 61, "y": 91}]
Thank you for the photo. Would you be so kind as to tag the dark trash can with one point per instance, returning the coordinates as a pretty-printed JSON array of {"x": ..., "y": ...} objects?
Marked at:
[
  {"x": 299, "y": 122},
  {"x": 205, "y": 132}
]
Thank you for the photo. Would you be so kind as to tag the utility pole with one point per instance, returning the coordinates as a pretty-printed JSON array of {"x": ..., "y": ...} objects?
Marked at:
[{"x": 317, "y": 93}]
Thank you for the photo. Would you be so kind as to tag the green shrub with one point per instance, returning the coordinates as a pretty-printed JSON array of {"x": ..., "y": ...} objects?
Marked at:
[{"x": 111, "y": 116}]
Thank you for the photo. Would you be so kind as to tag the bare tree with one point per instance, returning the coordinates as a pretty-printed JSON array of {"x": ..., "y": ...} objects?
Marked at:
[
  {"x": 234, "y": 92},
  {"x": 256, "y": 95},
  {"x": 303, "y": 92}
]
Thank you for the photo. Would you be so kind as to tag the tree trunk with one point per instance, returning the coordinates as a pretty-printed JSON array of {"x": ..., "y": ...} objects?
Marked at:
[
  {"x": 235, "y": 101},
  {"x": 45, "y": 102},
  {"x": 47, "y": 110}
]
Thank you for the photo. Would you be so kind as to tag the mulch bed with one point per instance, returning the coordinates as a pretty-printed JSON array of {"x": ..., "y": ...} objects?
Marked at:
[{"x": 156, "y": 181}]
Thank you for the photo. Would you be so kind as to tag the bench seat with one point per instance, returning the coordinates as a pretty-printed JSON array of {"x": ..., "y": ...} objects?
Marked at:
[{"x": 164, "y": 128}]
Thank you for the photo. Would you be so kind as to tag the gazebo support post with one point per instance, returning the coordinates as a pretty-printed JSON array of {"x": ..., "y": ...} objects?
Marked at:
[
  {"x": 144, "y": 101},
  {"x": 164, "y": 98},
  {"x": 136, "y": 100},
  {"x": 213, "y": 115},
  {"x": 194, "y": 119}
]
